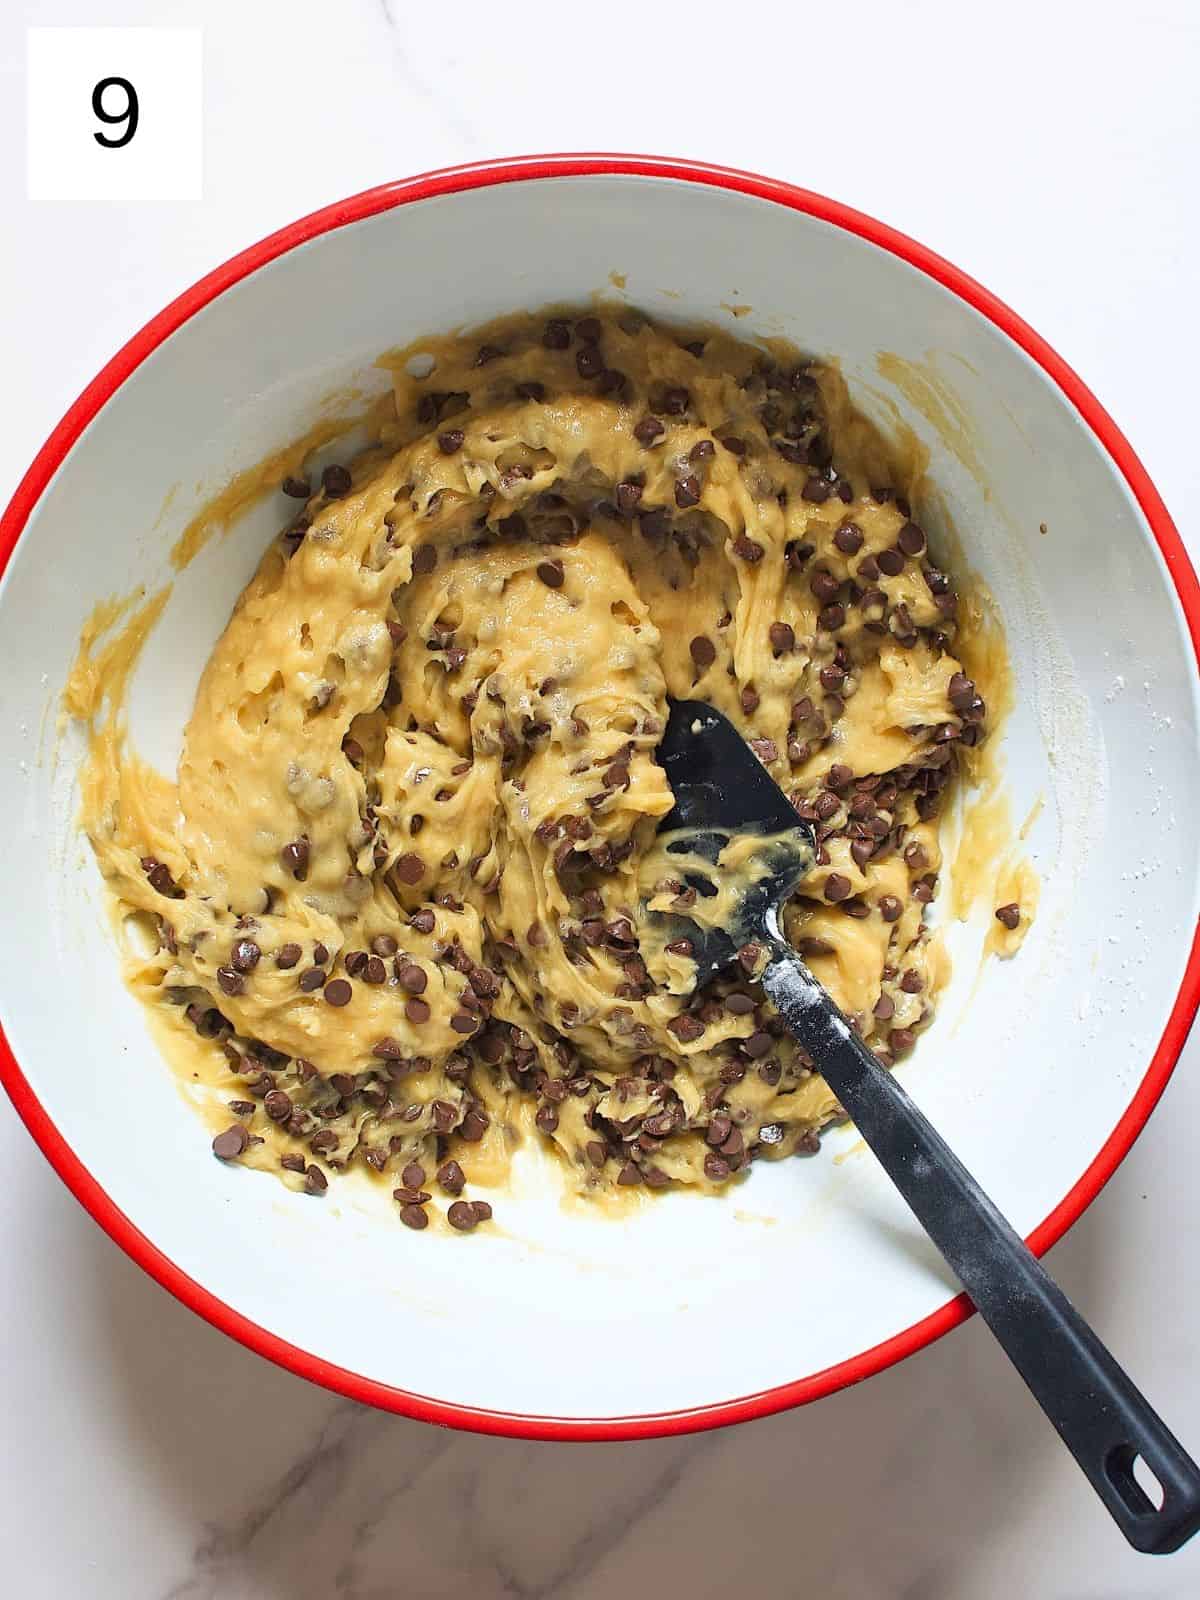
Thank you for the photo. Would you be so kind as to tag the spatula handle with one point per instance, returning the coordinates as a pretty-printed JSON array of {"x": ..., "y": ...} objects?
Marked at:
[{"x": 1102, "y": 1418}]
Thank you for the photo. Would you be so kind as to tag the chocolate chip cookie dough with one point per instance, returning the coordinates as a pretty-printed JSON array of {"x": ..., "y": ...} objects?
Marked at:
[{"x": 400, "y": 885}]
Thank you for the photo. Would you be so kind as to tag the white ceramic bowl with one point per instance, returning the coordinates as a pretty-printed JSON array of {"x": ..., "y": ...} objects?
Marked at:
[{"x": 811, "y": 1275}]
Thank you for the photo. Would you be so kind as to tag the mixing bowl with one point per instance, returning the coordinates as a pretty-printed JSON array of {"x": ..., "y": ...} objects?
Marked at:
[{"x": 693, "y": 1311}]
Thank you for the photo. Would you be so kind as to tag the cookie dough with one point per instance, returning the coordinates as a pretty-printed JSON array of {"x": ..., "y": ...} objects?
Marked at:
[{"x": 401, "y": 884}]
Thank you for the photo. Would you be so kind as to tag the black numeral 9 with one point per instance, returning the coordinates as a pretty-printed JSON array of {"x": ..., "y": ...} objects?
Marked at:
[{"x": 128, "y": 116}]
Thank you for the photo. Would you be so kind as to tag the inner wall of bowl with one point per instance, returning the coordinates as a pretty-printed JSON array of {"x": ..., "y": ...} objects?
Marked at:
[{"x": 1031, "y": 1063}]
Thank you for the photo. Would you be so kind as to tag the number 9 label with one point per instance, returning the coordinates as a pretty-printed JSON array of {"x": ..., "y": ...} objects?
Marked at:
[
  {"x": 128, "y": 115},
  {"x": 115, "y": 114}
]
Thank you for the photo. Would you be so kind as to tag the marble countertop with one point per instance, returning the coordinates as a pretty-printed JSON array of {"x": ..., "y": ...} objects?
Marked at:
[{"x": 1050, "y": 151}]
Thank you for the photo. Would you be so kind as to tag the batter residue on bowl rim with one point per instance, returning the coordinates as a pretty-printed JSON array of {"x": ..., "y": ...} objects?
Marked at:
[{"x": 394, "y": 905}]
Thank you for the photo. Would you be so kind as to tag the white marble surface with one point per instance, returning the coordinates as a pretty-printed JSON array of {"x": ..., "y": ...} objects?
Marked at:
[{"x": 1049, "y": 149}]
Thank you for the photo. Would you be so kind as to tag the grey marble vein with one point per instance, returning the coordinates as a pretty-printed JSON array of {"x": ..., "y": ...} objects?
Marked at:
[{"x": 445, "y": 108}]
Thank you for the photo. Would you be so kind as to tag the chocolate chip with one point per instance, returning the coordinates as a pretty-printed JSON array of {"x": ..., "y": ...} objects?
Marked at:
[
  {"x": 718, "y": 1129},
  {"x": 230, "y": 982},
  {"x": 556, "y": 335},
  {"x": 704, "y": 651},
  {"x": 474, "y": 1125},
  {"x": 824, "y": 585},
  {"x": 702, "y": 450},
  {"x": 747, "y": 549},
  {"x": 295, "y": 857},
  {"x": 278, "y": 1105},
  {"x": 589, "y": 363},
  {"x": 911, "y": 539},
  {"x": 461, "y": 1022},
  {"x": 716, "y": 1168},
  {"x": 417, "y": 1010},
  {"x": 230, "y": 1144},
  {"x": 849, "y": 538},
  {"x": 748, "y": 957},
  {"x": 335, "y": 481},
  {"x": 739, "y": 1004},
  {"x": 338, "y": 992},
  {"x": 1009, "y": 915},
  {"x": 547, "y": 1118},
  {"x": 424, "y": 559},
  {"x": 733, "y": 444},
  {"x": 782, "y": 636},
  {"x": 629, "y": 1175},
  {"x": 885, "y": 1008},
  {"x": 374, "y": 971},
  {"x": 687, "y": 492},
  {"x": 245, "y": 956},
  {"x": 891, "y": 562},
  {"x": 686, "y": 1027},
  {"x": 816, "y": 491},
  {"x": 960, "y": 691},
  {"x": 837, "y": 887},
  {"x": 450, "y": 441},
  {"x": 422, "y": 921},
  {"x": 296, "y": 488},
  {"x": 551, "y": 574},
  {"x": 412, "y": 977},
  {"x": 831, "y": 618},
  {"x": 627, "y": 495},
  {"x": 414, "y": 1216},
  {"x": 589, "y": 329},
  {"x": 462, "y": 1214},
  {"x": 409, "y": 868},
  {"x": 648, "y": 430},
  {"x": 901, "y": 1041},
  {"x": 890, "y": 909},
  {"x": 674, "y": 401},
  {"x": 451, "y": 1177}
]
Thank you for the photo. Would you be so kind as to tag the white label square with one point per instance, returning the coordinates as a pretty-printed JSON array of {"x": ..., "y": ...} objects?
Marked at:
[{"x": 85, "y": 82}]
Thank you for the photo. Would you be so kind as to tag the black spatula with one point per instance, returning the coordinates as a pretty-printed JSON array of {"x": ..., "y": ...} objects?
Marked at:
[{"x": 722, "y": 790}]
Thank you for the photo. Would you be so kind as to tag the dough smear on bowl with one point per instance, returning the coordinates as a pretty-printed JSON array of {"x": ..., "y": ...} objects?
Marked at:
[{"x": 397, "y": 889}]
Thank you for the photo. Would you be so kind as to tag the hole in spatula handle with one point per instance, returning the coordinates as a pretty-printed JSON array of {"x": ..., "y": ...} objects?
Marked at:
[{"x": 1133, "y": 1478}]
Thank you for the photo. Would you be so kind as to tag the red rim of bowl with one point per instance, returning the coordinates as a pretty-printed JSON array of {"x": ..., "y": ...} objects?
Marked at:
[{"x": 482, "y": 175}]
